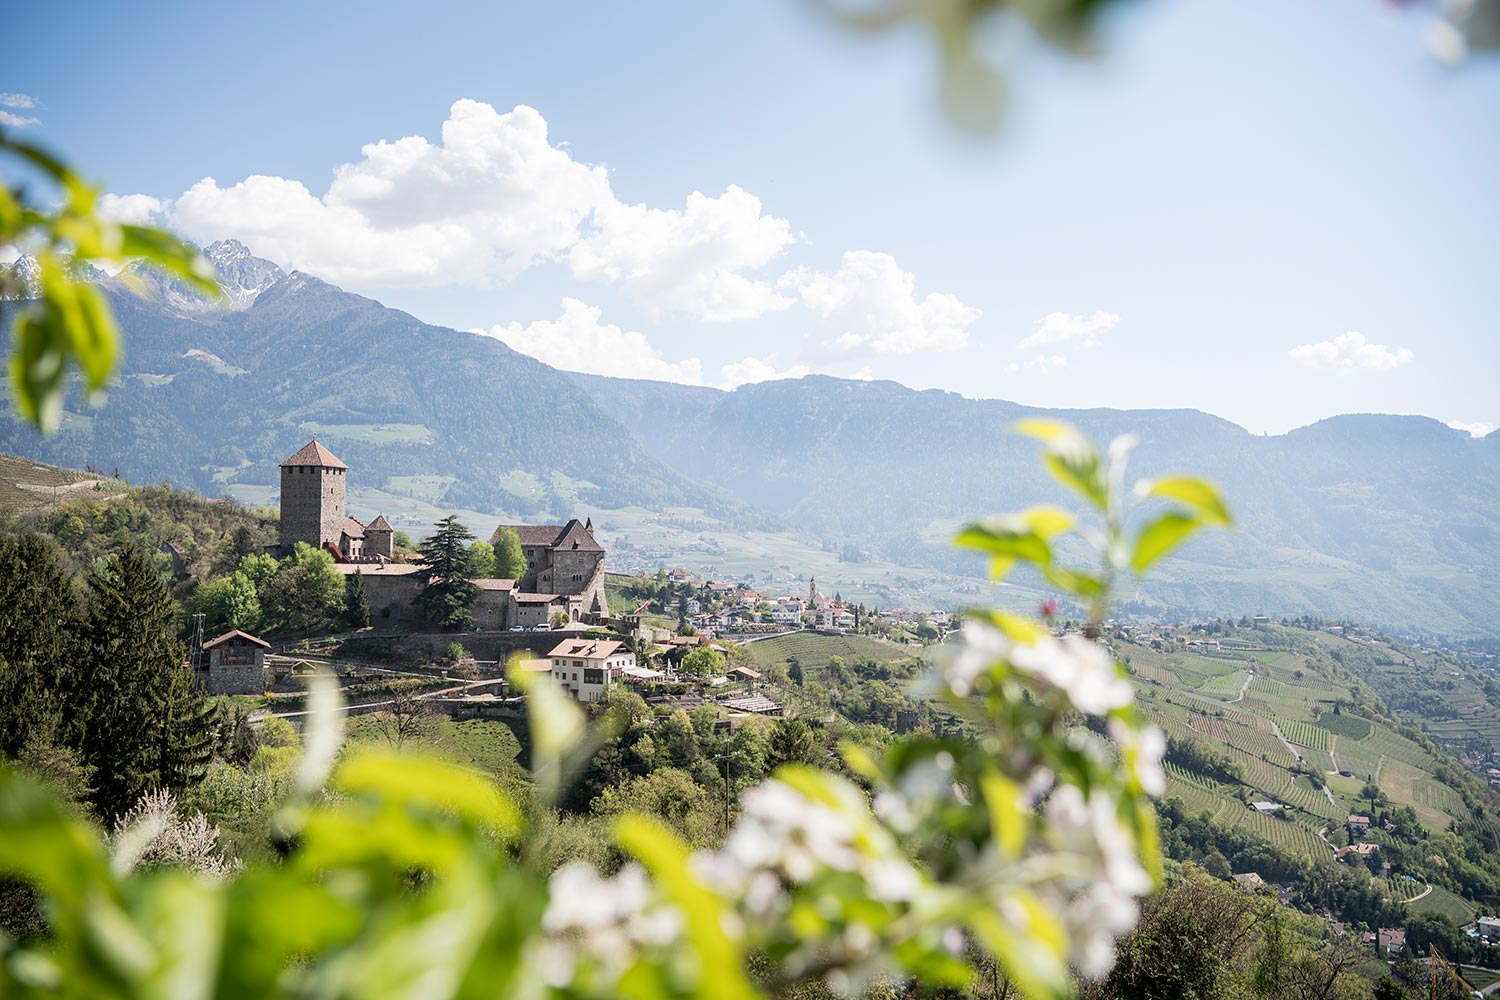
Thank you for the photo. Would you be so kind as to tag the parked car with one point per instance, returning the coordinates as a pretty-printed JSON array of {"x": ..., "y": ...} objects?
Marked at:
[{"x": 517, "y": 628}]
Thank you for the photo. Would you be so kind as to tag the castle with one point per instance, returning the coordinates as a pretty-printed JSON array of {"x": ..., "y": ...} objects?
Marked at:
[
  {"x": 564, "y": 564},
  {"x": 313, "y": 510}
]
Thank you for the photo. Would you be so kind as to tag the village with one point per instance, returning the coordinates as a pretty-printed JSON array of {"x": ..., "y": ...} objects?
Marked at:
[{"x": 671, "y": 637}]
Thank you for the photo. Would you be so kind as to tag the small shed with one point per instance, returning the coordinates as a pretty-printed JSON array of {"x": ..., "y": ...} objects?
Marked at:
[{"x": 235, "y": 663}]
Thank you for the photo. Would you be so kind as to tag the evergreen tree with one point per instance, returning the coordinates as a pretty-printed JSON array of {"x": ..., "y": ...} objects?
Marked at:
[
  {"x": 131, "y": 712},
  {"x": 510, "y": 561},
  {"x": 186, "y": 731},
  {"x": 446, "y": 576},
  {"x": 38, "y": 638},
  {"x": 356, "y": 601},
  {"x": 794, "y": 670},
  {"x": 794, "y": 742}
]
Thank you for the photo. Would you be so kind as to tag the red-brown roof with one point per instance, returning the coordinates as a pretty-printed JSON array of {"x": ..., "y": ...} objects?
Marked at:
[
  {"x": 315, "y": 454},
  {"x": 379, "y": 524},
  {"x": 587, "y": 649},
  {"x": 494, "y": 583},
  {"x": 236, "y": 634},
  {"x": 353, "y": 527},
  {"x": 572, "y": 535}
]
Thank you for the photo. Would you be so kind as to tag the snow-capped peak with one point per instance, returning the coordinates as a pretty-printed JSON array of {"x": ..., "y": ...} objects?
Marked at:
[{"x": 242, "y": 275}]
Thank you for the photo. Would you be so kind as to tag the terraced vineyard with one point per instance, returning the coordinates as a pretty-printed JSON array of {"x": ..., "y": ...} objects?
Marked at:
[
  {"x": 1304, "y": 734},
  {"x": 1190, "y": 695},
  {"x": 1350, "y": 726}
]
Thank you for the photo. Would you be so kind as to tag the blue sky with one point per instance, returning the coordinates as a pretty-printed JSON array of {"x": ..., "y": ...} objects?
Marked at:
[{"x": 1200, "y": 218}]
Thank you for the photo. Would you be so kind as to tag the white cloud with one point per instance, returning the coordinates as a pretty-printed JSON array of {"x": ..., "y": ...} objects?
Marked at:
[
  {"x": 131, "y": 209},
  {"x": 748, "y": 370},
  {"x": 690, "y": 261},
  {"x": 1477, "y": 429},
  {"x": 1062, "y": 328},
  {"x": 1040, "y": 363},
  {"x": 1350, "y": 353},
  {"x": 492, "y": 198},
  {"x": 17, "y": 121},
  {"x": 21, "y": 102},
  {"x": 870, "y": 304},
  {"x": 578, "y": 342},
  {"x": 17, "y": 101}
]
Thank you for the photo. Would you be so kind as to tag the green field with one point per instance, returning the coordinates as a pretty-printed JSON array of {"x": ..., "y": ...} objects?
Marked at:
[
  {"x": 370, "y": 433},
  {"x": 814, "y": 650},
  {"x": 1440, "y": 900},
  {"x": 488, "y": 744}
]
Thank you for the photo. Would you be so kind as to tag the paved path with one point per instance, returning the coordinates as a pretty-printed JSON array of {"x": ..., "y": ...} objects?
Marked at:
[
  {"x": 1420, "y": 895},
  {"x": 1243, "y": 688},
  {"x": 1289, "y": 748},
  {"x": 425, "y": 696}
]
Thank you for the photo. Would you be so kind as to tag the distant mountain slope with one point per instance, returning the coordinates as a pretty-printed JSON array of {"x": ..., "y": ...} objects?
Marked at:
[
  {"x": 1393, "y": 521},
  {"x": 1390, "y": 520},
  {"x": 211, "y": 395}
]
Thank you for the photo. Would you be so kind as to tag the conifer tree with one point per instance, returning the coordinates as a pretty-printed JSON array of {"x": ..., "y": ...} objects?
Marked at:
[
  {"x": 448, "y": 590},
  {"x": 186, "y": 731},
  {"x": 356, "y": 601},
  {"x": 132, "y": 712},
  {"x": 38, "y": 637}
]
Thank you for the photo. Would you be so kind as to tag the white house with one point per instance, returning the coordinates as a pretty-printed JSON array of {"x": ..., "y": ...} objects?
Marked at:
[
  {"x": 788, "y": 612},
  {"x": 1489, "y": 928},
  {"x": 588, "y": 667}
]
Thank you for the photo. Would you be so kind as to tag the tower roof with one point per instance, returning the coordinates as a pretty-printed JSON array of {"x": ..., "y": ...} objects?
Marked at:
[
  {"x": 315, "y": 454},
  {"x": 379, "y": 524}
]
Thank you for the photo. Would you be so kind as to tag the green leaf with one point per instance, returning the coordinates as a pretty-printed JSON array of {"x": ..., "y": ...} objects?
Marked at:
[
  {"x": 1198, "y": 496},
  {"x": 1016, "y": 536},
  {"x": 1071, "y": 458},
  {"x": 1160, "y": 537},
  {"x": 435, "y": 784}
]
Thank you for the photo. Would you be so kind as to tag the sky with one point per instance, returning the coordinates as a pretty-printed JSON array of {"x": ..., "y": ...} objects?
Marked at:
[{"x": 1273, "y": 212}]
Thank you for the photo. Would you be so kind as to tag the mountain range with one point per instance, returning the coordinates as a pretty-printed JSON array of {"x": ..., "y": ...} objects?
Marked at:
[{"x": 1391, "y": 520}]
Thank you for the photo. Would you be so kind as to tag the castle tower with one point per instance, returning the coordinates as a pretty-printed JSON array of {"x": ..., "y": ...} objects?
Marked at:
[
  {"x": 378, "y": 537},
  {"x": 812, "y": 592},
  {"x": 312, "y": 497}
]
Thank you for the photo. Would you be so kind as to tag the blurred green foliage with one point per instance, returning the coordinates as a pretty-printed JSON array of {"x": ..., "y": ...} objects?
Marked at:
[{"x": 66, "y": 321}]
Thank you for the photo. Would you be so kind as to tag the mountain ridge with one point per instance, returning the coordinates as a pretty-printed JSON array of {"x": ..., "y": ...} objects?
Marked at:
[{"x": 1390, "y": 519}]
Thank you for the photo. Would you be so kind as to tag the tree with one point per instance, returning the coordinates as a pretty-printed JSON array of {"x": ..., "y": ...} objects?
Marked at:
[
  {"x": 38, "y": 638},
  {"x": 793, "y": 742},
  {"x": 447, "y": 579},
  {"x": 186, "y": 731},
  {"x": 510, "y": 562},
  {"x": 229, "y": 602},
  {"x": 482, "y": 560},
  {"x": 407, "y": 717},
  {"x": 356, "y": 601},
  {"x": 794, "y": 670},
  {"x": 702, "y": 662},
  {"x": 306, "y": 590},
  {"x": 132, "y": 710}
]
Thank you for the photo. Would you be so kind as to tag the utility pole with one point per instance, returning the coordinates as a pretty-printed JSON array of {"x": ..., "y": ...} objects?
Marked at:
[{"x": 728, "y": 760}]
